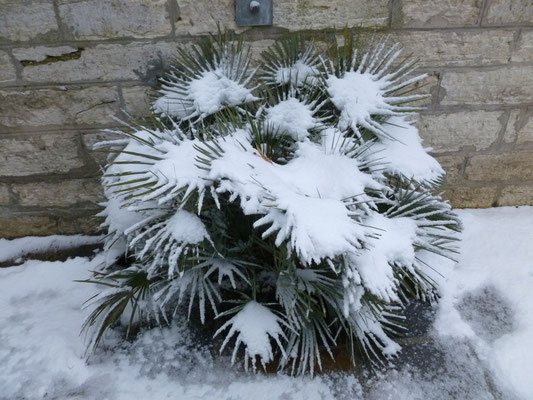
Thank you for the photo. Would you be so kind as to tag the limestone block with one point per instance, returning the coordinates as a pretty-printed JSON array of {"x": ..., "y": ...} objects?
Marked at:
[
  {"x": 38, "y": 54},
  {"x": 137, "y": 100},
  {"x": 42, "y": 154},
  {"x": 7, "y": 69},
  {"x": 26, "y": 20},
  {"x": 520, "y": 126},
  {"x": 60, "y": 194},
  {"x": 436, "y": 13},
  {"x": 453, "y": 165},
  {"x": 13, "y": 226},
  {"x": 523, "y": 52},
  {"x": 103, "y": 19},
  {"x": 200, "y": 17},
  {"x": 58, "y": 106},
  {"x": 471, "y": 197},
  {"x": 516, "y": 195},
  {"x": 524, "y": 127},
  {"x": 86, "y": 224},
  {"x": 503, "y": 85},
  {"x": 457, "y": 48},
  {"x": 322, "y": 14},
  {"x": 500, "y": 167},
  {"x": 103, "y": 62},
  {"x": 453, "y": 131},
  {"x": 4, "y": 195},
  {"x": 506, "y": 12}
]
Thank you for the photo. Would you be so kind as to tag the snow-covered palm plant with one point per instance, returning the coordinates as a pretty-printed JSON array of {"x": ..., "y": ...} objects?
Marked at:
[{"x": 290, "y": 207}]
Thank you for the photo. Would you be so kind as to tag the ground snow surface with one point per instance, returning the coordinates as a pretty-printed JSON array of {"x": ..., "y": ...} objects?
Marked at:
[
  {"x": 481, "y": 346},
  {"x": 14, "y": 249}
]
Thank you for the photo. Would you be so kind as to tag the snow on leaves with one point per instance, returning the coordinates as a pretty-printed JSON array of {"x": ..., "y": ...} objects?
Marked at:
[
  {"x": 211, "y": 77},
  {"x": 287, "y": 64},
  {"x": 203, "y": 96},
  {"x": 306, "y": 200},
  {"x": 366, "y": 90},
  {"x": 402, "y": 153},
  {"x": 255, "y": 325},
  {"x": 392, "y": 243},
  {"x": 292, "y": 117}
]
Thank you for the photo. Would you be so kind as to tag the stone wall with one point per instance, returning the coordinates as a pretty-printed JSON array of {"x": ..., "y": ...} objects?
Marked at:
[{"x": 68, "y": 67}]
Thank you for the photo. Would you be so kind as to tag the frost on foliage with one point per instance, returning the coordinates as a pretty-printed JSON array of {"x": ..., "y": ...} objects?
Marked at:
[
  {"x": 307, "y": 201},
  {"x": 255, "y": 325}
]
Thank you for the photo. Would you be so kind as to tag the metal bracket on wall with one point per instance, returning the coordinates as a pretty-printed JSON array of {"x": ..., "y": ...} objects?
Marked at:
[{"x": 253, "y": 12}]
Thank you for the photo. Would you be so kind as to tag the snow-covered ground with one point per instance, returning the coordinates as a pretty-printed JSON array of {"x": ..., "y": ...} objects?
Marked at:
[
  {"x": 15, "y": 249},
  {"x": 481, "y": 345}
]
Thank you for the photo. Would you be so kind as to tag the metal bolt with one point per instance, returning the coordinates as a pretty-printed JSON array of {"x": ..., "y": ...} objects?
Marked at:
[{"x": 254, "y": 6}]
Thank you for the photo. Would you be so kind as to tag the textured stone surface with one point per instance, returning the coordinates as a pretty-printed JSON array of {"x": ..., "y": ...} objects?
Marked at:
[
  {"x": 520, "y": 126},
  {"x": 462, "y": 48},
  {"x": 453, "y": 131},
  {"x": 42, "y": 154},
  {"x": 7, "y": 69},
  {"x": 104, "y": 62},
  {"x": 87, "y": 224},
  {"x": 4, "y": 195},
  {"x": 511, "y": 85},
  {"x": 41, "y": 53},
  {"x": 42, "y": 107},
  {"x": 523, "y": 51},
  {"x": 500, "y": 167},
  {"x": 453, "y": 165},
  {"x": 471, "y": 197},
  {"x": 436, "y": 13},
  {"x": 504, "y": 12},
  {"x": 99, "y": 19},
  {"x": 61, "y": 194},
  {"x": 516, "y": 194},
  {"x": 13, "y": 226},
  {"x": 201, "y": 16},
  {"x": 321, "y": 14},
  {"x": 137, "y": 100},
  {"x": 25, "y": 20}
]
